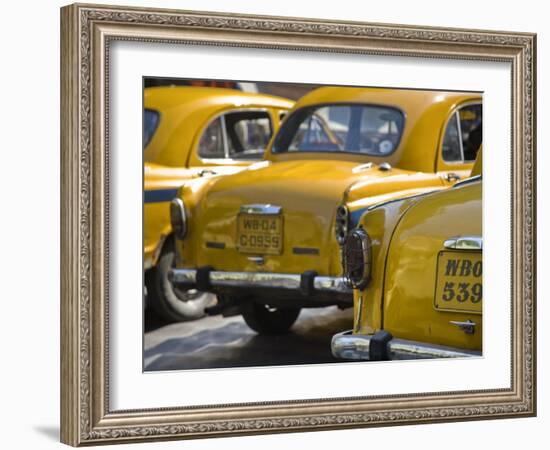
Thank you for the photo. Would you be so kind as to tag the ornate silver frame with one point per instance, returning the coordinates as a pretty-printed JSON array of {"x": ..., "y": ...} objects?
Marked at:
[{"x": 86, "y": 31}]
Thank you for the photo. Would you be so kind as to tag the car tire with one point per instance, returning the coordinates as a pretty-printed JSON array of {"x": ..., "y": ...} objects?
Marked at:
[
  {"x": 167, "y": 302},
  {"x": 264, "y": 319}
]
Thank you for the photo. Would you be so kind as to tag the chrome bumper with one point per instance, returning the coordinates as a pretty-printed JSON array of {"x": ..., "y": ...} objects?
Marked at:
[
  {"x": 288, "y": 281},
  {"x": 358, "y": 346}
]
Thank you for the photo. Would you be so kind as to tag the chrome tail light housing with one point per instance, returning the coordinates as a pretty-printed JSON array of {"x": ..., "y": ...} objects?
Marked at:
[
  {"x": 178, "y": 218},
  {"x": 357, "y": 258}
]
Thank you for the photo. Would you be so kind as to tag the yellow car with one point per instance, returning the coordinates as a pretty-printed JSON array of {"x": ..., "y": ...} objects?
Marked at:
[
  {"x": 416, "y": 266},
  {"x": 193, "y": 132},
  {"x": 267, "y": 239}
]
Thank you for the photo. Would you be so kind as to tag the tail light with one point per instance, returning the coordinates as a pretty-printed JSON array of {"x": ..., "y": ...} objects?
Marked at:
[
  {"x": 356, "y": 258},
  {"x": 342, "y": 223},
  {"x": 178, "y": 218}
]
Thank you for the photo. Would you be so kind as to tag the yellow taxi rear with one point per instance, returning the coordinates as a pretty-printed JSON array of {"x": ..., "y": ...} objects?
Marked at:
[
  {"x": 417, "y": 269},
  {"x": 192, "y": 133}
]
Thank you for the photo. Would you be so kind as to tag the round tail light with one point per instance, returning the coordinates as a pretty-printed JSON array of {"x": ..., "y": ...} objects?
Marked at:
[
  {"x": 342, "y": 223},
  {"x": 356, "y": 258},
  {"x": 178, "y": 218}
]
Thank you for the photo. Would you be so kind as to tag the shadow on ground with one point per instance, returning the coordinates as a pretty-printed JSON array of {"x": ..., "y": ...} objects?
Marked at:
[
  {"x": 216, "y": 342},
  {"x": 152, "y": 322}
]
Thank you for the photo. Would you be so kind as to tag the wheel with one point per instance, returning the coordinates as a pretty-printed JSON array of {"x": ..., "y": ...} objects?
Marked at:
[
  {"x": 265, "y": 319},
  {"x": 167, "y": 302}
]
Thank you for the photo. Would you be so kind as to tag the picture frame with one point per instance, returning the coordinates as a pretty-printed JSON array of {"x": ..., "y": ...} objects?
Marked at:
[{"x": 87, "y": 31}]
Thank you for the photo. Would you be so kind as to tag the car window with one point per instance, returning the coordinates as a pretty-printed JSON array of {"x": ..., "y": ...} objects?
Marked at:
[
  {"x": 211, "y": 144},
  {"x": 248, "y": 133},
  {"x": 471, "y": 130},
  {"x": 151, "y": 121},
  {"x": 463, "y": 134},
  {"x": 237, "y": 134},
  {"x": 368, "y": 129},
  {"x": 313, "y": 134}
]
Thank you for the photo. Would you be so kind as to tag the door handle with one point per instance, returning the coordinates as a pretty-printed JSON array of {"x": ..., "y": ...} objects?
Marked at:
[
  {"x": 464, "y": 243},
  {"x": 452, "y": 176},
  {"x": 468, "y": 326},
  {"x": 204, "y": 172}
]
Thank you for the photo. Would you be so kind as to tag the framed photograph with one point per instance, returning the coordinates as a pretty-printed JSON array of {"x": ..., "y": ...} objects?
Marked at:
[{"x": 278, "y": 224}]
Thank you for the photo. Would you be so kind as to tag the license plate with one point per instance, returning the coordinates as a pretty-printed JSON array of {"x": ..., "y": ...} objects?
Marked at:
[
  {"x": 459, "y": 286},
  {"x": 260, "y": 233}
]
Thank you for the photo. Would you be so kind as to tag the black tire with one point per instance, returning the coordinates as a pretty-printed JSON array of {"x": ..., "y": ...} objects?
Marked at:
[
  {"x": 168, "y": 303},
  {"x": 264, "y": 319}
]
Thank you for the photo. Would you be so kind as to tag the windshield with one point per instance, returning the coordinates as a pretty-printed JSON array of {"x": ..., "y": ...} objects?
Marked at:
[
  {"x": 365, "y": 129},
  {"x": 150, "y": 123}
]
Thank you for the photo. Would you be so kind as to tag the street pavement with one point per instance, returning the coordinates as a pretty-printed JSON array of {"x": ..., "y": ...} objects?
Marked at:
[{"x": 221, "y": 342}]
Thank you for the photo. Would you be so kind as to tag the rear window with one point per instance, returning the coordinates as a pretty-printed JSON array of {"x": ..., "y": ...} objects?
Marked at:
[
  {"x": 237, "y": 135},
  {"x": 366, "y": 129},
  {"x": 151, "y": 121},
  {"x": 248, "y": 133}
]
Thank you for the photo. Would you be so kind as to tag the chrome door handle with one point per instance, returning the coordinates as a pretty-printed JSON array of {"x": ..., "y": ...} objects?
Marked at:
[
  {"x": 468, "y": 326},
  {"x": 451, "y": 176},
  {"x": 464, "y": 243},
  {"x": 204, "y": 172}
]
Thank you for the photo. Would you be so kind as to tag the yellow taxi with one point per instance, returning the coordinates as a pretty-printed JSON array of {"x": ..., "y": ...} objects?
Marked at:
[
  {"x": 188, "y": 133},
  {"x": 416, "y": 268},
  {"x": 267, "y": 240}
]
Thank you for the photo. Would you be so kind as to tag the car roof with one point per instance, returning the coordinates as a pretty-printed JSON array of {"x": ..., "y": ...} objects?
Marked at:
[
  {"x": 168, "y": 97},
  {"x": 404, "y": 99}
]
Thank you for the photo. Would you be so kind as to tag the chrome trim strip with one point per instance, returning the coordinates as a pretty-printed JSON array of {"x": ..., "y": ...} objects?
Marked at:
[
  {"x": 402, "y": 349},
  {"x": 467, "y": 181},
  {"x": 256, "y": 279},
  {"x": 362, "y": 167},
  {"x": 464, "y": 243},
  {"x": 260, "y": 279},
  {"x": 459, "y": 128},
  {"x": 224, "y": 137},
  {"x": 346, "y": 345},
  {"x": 258, "y": 208}
]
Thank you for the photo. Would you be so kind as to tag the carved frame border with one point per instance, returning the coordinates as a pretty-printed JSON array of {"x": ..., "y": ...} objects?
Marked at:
[{"x": 86, "y": 31}]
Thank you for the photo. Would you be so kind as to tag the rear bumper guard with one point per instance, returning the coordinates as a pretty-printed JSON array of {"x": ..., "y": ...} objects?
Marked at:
[{"x": 304, "y": 283}]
